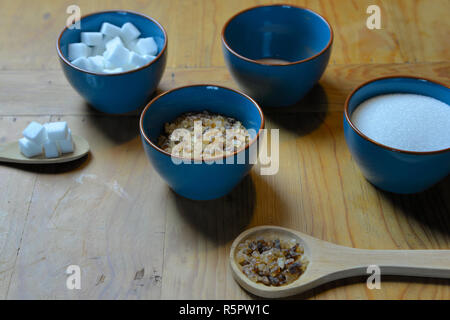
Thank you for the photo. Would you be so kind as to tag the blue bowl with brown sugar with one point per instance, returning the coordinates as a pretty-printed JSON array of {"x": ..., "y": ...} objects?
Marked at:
[{"x": 204, "y": 179}]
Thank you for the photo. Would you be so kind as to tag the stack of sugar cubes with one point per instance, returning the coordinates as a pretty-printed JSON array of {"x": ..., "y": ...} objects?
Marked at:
[
  {"x": 53, "y": 138},
  {"x": 113, "y": 49}
]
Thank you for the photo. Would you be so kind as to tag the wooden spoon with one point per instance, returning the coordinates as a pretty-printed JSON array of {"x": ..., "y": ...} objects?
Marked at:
[
  {"x": 11, "y": 153},
  {"x": 328, "y": 262}
]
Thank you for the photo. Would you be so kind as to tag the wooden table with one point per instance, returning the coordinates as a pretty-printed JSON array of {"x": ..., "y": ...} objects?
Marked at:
[{"x": 112, "y": 215}]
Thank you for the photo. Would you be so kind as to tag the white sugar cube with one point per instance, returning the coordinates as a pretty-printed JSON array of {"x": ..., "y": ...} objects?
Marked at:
[
  {"x": 66, "y": 145},
  {"x": 28, "y": 148},
  {"x": 97, "y": 63},
  {"x": 149, "y": 58},
  {"x": 82, "y": 63},
  {"x": 111, "y": 44},
  {"x": 137, "y": 60},
  {"x": 113, "y": 50},
  {"x": 110, "y": 30},
  {"x": 98, "y": 50},
  {"x": 92, "y": 38},
  {"x": 117, "y": 56},
  {"x": 131, "y": 45},
  {"x": 35, "y": 132},
  {"x": 146, "y": 46},
  {"x": 106, "y": 39},
  {"x": 129, "y": 32},
  {"x": 51, "y": 149},
  {"x": 129, "y": 67},
  {"x": 109, "y": 65},
  {"x": 78, "y": 50},
  {"x": 56, "y": 130},
  {"x": 115, "y": 70}
]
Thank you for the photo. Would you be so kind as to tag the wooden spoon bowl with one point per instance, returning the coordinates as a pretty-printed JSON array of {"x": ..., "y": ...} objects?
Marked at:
[{"x": 329, "y": 262}]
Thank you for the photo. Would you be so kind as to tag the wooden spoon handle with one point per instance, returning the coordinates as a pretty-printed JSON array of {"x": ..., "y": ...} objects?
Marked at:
[{"x": 418, "y": 263}]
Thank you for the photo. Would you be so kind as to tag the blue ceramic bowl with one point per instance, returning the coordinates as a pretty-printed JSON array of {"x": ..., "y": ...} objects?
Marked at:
[
  {"x": 203, "y": 180},
  {"x": 390, "y": 169},
  {"x": 120, "y": 92},
  {"x": 253, "y": 38}
]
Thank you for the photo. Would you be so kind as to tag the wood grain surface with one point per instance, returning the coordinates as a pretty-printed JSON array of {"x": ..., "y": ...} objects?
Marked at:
[{"x": 112, "y": 215}]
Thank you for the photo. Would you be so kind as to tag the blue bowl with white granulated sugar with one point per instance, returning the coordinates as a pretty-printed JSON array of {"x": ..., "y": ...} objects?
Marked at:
[{"x": 390, "y": 161}]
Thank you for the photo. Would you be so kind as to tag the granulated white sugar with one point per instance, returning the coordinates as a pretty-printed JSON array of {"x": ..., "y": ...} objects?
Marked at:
[{"x": 405, "y": 121}]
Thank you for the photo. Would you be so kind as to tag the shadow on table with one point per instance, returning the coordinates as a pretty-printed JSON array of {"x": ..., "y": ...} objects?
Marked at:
[
  {"x": 54, "y": 168},
  {"x": 430, "y": 207},
  {"x": 272, "y": 209},
  {"x": 220, "y": 220},
  {"x": 119, "y": 128},
  {"x": 135, "y": 113},
  {"x": 303, "y": 117}
]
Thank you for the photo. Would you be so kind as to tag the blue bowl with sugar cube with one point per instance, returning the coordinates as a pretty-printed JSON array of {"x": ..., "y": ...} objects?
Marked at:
[
  {"x": 277, "y": 53},
  {"x": 397, "y": 129},
  {"x": 115, "y": 60}
]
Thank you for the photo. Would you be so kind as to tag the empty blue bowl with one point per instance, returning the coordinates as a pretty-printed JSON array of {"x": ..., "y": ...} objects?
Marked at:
[
  {"x": 391, "y": 169},
  {"x": 119, "y": 92},
  {"x": 253, "y": 38},
  {"x": 203, "y": 180}
]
